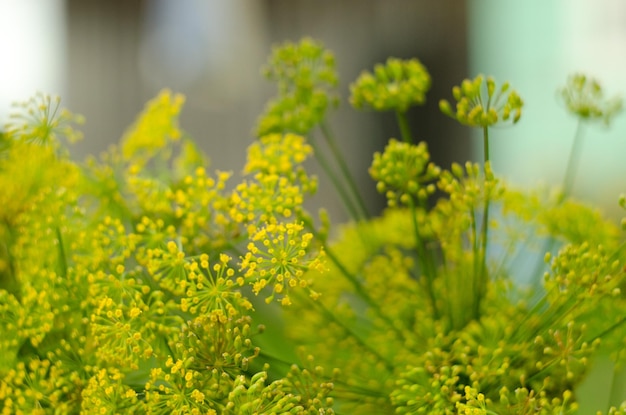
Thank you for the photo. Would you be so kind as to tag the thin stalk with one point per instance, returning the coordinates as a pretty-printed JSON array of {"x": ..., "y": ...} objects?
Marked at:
[
  {"x": 568, "y": 184},
  {"x": 483, "y": 276},
  {"x": 343, "y": 194},
  {"x": 574, "y": 160},
  {"x": 486, "y": 144},
  {"x": 428, "y": 264},
  {"x": 343, "y": 166},
  {"x": 350, "y": 330},
  {"x": 61, "y": 254},
  {"x": 609, "y": 330},
  {"x": 476, "y": 253},
  {"x": 405, "y": 129},
  {"x": 356, "y": 284}
]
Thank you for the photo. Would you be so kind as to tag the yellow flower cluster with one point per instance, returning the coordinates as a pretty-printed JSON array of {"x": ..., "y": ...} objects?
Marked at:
[
  {"x": 396, "y": 85},
  {"x": 281, "y": 155},
  {"x": 584, "y": 97},
  {"x": 154, "y": 129},
  {"x": 479, "y": 103},
  {"x": 404, "y": 173},
  {"x": 306, "y": 77},
  {"x": 279, "y": 256},
  {"x": 41, "y": 121},
  {"x": 120, "y": 288}
]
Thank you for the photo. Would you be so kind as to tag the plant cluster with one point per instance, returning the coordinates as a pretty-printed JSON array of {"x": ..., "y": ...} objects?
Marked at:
[{"x": 139, "y": 282}]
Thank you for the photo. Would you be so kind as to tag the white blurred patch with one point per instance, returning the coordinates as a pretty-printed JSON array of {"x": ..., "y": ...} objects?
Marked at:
[{"x": 32, "y": 50}]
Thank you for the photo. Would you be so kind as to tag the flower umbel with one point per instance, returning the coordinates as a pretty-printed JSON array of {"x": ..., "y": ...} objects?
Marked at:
[
  {"x": 404, "y": 170},
  {"x": 306, "y": 78},
  {"x": 41, "y": 120},
  {"x": 479, "y": 103},
  {"x": 155, "y": 127},
  {"x": 396, "y": 85},
  {"x": 279, "y": 255},
  {"x": 282, "y": 155},
  {"x": 584, "y": 97}
]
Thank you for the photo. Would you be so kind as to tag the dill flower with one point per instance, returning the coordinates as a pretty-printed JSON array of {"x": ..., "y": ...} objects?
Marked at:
[
  {"x": 41, "y": 121},
  {"x": 211, "y": 288},
  {"x": 282, "y": 155},
  {"x": 214, "y": 341},
  {"x": 199, "y": 206},
  {"x": 404, "y": 171},
  {"x": 306, "y": 77},
  {"x": 258, "y": 395},
  {"x": 106, "y": 392},
  {"x": 267, "y": 198},
  {"x": 154, "y": 128},
  {"x": 277, "y": 154},
  {"x": 176, "y": 389},
  {"x": 119, "y": 335},
  {"x": 480, "y": 103},
  {"x": 396, "y": 85},
  {"x": 278, "y": 257},
  {"x": 584, "y": 97}
]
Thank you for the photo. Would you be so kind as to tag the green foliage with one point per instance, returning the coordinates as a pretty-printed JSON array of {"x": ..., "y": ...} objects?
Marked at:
[{"x": 140, "y": 282}]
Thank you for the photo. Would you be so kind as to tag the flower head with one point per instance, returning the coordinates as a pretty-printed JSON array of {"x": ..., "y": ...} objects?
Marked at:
[
  {"x": 481, "y": 104},
  {"x": 279, "y": 256},
  {"x": 404, "y": 171},
  {"x": 583, "y": 96},
  {"x": 306, "y": 78},
  {"x": 155, "y": 127},
  {"x": 267, "y": 198},
  {"x": 40, "y": 120},
  {"x": 277, "y": 154},
  {"x": 282, "y": 155},
  {"x": 396, "y": 85}
]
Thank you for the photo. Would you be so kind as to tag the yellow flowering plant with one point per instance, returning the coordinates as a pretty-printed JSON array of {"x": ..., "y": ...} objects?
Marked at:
[{"x": 139, "y": 282}]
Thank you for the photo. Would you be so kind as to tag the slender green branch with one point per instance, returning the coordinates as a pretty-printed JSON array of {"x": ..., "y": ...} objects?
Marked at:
[
  {"x": 350, "y": 330},
  {"x": 476, "y": 253},
  {"x": 357, "y": 285},
  {"x": 573, "y": 161},
  {"x": 61, "y": 253},
  {"x": 486, "y": 145},
  {"x": 568, "y": 183},
  {"x": 405, "y": 129},
  {"x": 483, "y": 276},
  {"x": 343, "y": 166},
  {"x": 339, "y": 186},
  {"x": 428, "y": 264},
  {"x": 608, "y": 330}
]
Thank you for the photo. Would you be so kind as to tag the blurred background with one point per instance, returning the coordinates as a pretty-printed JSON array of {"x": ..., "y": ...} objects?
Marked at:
[{"x": 107, "y": 58}]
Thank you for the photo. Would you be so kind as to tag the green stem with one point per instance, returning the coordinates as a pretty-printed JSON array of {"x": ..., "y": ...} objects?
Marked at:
[
  {"x": 356, "y": 284},
  {"x": 483, "y": 276},
  {"x": 486, "y": 144},
  {"x": 403, "y": 123},
  {"x": 426, "y": 260},
  {"x": 343, "y": 166},
  {"x": 350, "y": 330},
  {"x": 568, "y": 183},
  {"x": 61, "y": 254},
  {"x": 343, "y": 194},
  {"x": 574, "y": 160}
]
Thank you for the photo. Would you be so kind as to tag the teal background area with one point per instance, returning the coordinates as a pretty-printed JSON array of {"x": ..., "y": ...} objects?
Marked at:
[{"x": 536, "y": 44}]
